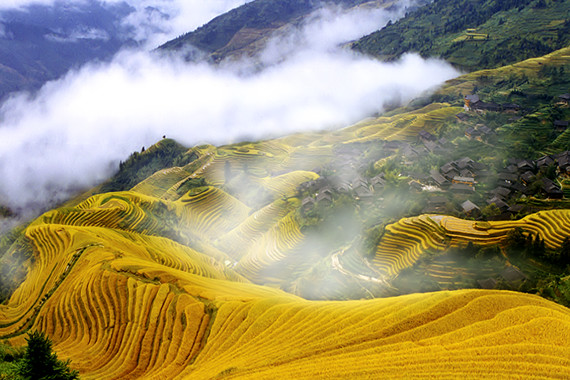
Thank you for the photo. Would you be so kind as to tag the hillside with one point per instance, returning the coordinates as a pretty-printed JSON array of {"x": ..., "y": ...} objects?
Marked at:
[
  {"x": 475, "y": 34},
  {"x": 123, "y": 302},
  {"x": 430, "y": 241},
  {"x": 244, "y": 31},
  {"x": 41, "y": 43}
]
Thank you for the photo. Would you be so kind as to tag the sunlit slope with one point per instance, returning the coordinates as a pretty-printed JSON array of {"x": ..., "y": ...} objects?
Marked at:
[
  {"x": 404, "y": 126},
  {"x": 404, "y": 241},
  {"x": 123, "y": 305}
]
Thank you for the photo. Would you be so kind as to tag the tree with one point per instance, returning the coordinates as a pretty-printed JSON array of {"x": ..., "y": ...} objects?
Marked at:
[{"x": 41, "y": 363}]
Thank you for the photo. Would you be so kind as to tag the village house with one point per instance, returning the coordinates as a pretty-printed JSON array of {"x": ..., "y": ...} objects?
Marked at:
[
  {"x": 551, "y": 190},
  {"x": 426, "y": 136},
  {"x": 544, "y": 162},
  {"x": 470, "y": 102},
  {"x": 511, "y": 108},
  {"x": 513, "y": 275},
  {"x": 472, "y": 133},
  {"x": 501, "y": 205},
  {"x": 436, "y": 205},
  {"x": 438, "y": 179},
  {"x": 528, "y": 177},
  {"x": 526, "y": 165},
  {"x": 470, "y": 208},
  {"x": 462, "y": 117},
  {"x": 378, "y": 181},
  {"x": 564, "y": 99},
  {"x": 501, "y": 192},
  {"x": 324, "y": 199},
  {"x": 560, "y": 125},
  {"x": 461, "y": 188},
  {"x": 464, "y": 180},
  {"x": 307, "y": 204}
]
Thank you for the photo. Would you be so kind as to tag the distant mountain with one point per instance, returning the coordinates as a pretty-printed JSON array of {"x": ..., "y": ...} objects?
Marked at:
[
  {"x": 244, "y": 30},
  {"x": 41, "y": 43},
  {"x": 475, "y": 34}
]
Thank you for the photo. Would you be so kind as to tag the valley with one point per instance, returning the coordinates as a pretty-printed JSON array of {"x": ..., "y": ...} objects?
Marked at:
[{"x": 431, "y": 240}]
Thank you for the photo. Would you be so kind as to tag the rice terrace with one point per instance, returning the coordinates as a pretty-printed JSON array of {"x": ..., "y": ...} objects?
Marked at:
[{"x": 427, "y": 239}]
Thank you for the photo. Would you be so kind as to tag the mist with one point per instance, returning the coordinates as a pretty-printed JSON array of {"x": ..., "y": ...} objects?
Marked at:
[{"x": 72, "y": 133}]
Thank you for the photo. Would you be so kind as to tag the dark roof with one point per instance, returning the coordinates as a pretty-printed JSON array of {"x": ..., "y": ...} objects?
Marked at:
[
  {"x": 472, "y": 98},
  {"x": 485, "y": 130},
  {"x": 487, "y": 106},
  {"x": 515, "y": 209},
  {"x": 363, "y": 192},
  {"x": 511, "y": 106},
  {"x": 462, "y": 116},
  {"x": 512, "y": 274},
  {"x": 464, "y": 162},
  {"x": 428, "y": 136},
  {"x": 544, "y": 161},
  {"x": 461, "y": 188},
  {"x": 508, "y": 177},
  {"x": 501, "y": 191},
  {"x": 478, "y": 166},
  {"x": 438, "y": 178},
  {"x": 561, "y": 123},
  {"x": 378, "y": 180},
  {"x": 437, "y": 200},
  {"x": 447, "y": 168},
  {"x": 489, "y": 283},
  {"x": 564, "y": 96},
  {"x": 324, "y": 197},
  {"x": 502, "y": 205},
  {"x": 528, "y": 176},
  {"x": 308, "y": 201},
  {"x": 526, "y": 165},
  {"x": 471, "y": 132},
  {"x": 469, "y": 206}
]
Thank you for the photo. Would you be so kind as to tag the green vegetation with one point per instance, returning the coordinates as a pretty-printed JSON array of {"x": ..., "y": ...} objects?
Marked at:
[
  {"x": 138, "y": 166},
  {"x": 238, "y": 30},
  {"x": 36, "y": 361},
  {"x": 475, "y": 34}
]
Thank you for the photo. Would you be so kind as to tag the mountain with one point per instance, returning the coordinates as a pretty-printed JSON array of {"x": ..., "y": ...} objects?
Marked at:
[
  {"x": 429, "y": 241},
  {"x": 41, "y": 43},
  {"x": 245, "y": 30},
  {"x": 474, "y": 34}
]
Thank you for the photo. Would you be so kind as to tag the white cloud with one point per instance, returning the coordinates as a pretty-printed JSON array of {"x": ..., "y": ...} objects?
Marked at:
[{"x": 74, "y": 131}]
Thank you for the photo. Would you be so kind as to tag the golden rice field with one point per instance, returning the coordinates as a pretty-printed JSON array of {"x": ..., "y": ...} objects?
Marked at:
[
  {"x": 404, "y": 126},
  {"x": 122, "y": 305},
  {"x": 405, "y": 241},
  {"x": 122, "y": 300}
]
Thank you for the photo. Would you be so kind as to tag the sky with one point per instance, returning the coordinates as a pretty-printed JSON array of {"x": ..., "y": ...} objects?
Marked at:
[{"x": 73, "y": 132}]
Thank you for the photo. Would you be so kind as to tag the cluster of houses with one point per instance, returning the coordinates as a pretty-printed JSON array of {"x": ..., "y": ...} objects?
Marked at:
[
  {"x": 459, "y": 176},
  {"x": 474, "y": 103},
  {"x": 323, "y": 189}
]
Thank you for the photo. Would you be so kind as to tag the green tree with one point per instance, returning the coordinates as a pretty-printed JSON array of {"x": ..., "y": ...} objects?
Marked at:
[{"x": 41, "y": 363}]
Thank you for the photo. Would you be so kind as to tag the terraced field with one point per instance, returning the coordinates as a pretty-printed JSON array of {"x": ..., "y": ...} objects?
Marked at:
[
  {"x": 120, "y": 309},
  {"x": 404, "y": 126},
  {"x": 405, "y": 241}
]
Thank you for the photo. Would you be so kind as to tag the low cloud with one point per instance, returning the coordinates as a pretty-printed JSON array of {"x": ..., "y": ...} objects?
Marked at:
[{"x": 74, "y": 131}]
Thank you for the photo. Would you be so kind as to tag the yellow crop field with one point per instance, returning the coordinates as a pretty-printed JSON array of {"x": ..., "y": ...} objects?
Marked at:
[
  {"x": 404, "y": 126},
  {"x": 405, "y": 241},
  {"x": 122, "y": 302},
  {"x": 286, "y": 184}
]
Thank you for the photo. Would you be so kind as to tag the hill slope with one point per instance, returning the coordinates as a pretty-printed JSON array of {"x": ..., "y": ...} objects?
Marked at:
[
  {"x": 475, "y": 34},
  {"x": 245, "y": 30},
  {"x": 123, "y": 304}
]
